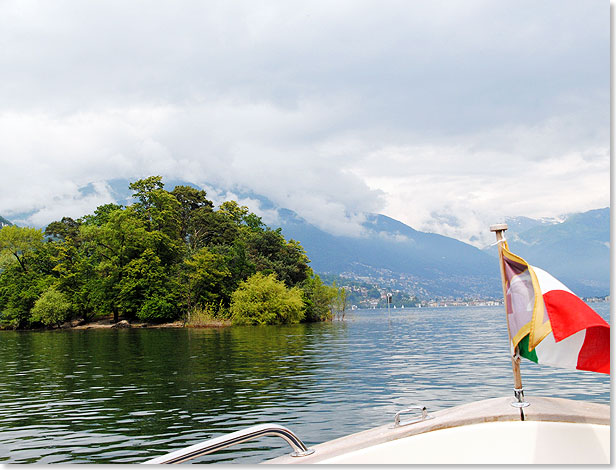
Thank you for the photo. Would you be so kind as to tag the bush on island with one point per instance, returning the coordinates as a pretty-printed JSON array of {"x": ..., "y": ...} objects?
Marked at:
[
  {"x": 264, "y": 300},
  {"x": 51, "y": 308}
]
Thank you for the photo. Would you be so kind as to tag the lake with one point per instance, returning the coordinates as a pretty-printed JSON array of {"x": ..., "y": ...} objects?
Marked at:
[{"x": 125, "y": 396}]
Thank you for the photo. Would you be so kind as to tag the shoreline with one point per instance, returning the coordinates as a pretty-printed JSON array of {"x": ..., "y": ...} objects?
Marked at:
[
  {"x": 124, "y": 324},
  {"x": 107, "y": 324}
]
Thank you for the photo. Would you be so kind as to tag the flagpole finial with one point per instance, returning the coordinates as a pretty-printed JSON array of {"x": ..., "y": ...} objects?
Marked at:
[{"x": 498, "y": 228}]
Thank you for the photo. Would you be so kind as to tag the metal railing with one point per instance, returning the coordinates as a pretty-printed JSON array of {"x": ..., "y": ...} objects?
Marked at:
[
  {"x": 424, "y": 416},
  {"x": 237, "y": 437}
]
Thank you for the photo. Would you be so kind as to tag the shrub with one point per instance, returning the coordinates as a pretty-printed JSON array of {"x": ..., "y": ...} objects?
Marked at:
[
  {"x": 264, "y": 300},
  {"x": 51, "y": 308}
]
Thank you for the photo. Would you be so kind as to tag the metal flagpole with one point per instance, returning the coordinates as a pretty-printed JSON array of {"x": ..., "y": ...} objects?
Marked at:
[{"x": 518, "y": 390}]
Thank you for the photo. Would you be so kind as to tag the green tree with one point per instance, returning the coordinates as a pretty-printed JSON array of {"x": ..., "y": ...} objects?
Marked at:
[
  {"x": 205, "y": 275},
  {"x": 135, "y": 266},
  {"x": 113, "y": 245},
  {"x": 144, "y": 189},
  {"x": 25, "y": 272},
  {"x": 193, "y": 205},
  {"x": 159, "y": 209},
  {"x": 17, "y": 243},
  {"x": 146, "y": 291},
  {"x": 19, "y": 290},
  {"x": 212, "y": 229},
  {"x": 264, "y": 300},
  {"x": 241, "y": 216},
  {"x": 318, "y": 299},
  {"x": 76, "y": 276},
  {"x": 234, "y": 211},
  {"x": 271, "y": 253},
  {"x": 64, "y": 229},
  {"x": 73, "y": 265},
  {"x": 101, "y": 214},
  {"x": 51, "y": 308}
]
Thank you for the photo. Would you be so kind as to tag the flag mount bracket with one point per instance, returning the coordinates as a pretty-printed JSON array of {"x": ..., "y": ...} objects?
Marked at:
[{"x": 519, "y": 394}]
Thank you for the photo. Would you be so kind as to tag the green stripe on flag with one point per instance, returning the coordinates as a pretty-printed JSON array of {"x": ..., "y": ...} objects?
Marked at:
[{"x": 524, "y": 352}]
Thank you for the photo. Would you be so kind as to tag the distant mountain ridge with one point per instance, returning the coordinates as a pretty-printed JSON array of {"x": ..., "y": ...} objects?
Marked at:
[
  {"x": 522, "y": 224},
  {"x": 576, "y": 250},
  {"x": 425, "y": 264}
]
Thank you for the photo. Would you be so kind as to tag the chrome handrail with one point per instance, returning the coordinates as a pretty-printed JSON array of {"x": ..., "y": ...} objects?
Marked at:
[
  {"x": 424, "y": 416},
  {"x": 237, "y": 437}
]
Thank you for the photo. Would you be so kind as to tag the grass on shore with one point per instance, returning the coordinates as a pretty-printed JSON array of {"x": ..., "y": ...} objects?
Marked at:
[{"x": 205, "y": 317}]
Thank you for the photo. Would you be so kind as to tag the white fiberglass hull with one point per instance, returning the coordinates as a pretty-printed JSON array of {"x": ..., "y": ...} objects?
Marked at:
[
  {"x": 513, "y": 442},
  {"x": 555, "y": 431}
]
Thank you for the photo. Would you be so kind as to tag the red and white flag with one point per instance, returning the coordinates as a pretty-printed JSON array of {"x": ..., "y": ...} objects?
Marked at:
[{"x": 548, "y": 323}]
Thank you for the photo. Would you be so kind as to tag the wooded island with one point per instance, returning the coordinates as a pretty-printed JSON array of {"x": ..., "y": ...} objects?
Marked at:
[{"x": 168, "y": 256}]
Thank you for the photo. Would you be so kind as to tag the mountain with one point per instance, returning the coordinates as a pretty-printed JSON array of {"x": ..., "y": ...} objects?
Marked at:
[
  {"x": 4, "y": 222},
  {"x": 522, "y": 224},
  {"x": 390, "y": 252},
  {"x": 575, "y": 250}
]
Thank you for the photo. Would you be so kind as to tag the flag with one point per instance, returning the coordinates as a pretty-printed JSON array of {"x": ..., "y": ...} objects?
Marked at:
[{"x": 548, "y": 323}]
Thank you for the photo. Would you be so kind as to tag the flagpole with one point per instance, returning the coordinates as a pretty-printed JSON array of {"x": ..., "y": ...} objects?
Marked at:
[{"x": 518, "y": 389}]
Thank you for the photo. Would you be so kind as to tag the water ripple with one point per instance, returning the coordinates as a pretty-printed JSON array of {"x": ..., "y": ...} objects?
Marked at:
[{"x": 109, "y": 396}]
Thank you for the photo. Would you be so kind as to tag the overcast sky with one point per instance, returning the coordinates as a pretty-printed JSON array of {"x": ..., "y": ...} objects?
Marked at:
[{"x": 446, "y": 115}]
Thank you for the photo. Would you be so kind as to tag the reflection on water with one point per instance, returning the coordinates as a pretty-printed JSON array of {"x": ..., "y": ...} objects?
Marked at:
[{"x": 123, "y": 396}]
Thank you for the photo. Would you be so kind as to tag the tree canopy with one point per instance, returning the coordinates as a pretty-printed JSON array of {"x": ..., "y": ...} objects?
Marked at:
[{"x": 167, "y": 253}]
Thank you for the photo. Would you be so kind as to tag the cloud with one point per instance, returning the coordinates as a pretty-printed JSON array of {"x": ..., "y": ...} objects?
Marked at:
[
  {"x": 251, "y": 148},
  {"x": 69, "y": 204},
  {"x": 460, "y": 189},
  {"x": 424, "y": 111}
]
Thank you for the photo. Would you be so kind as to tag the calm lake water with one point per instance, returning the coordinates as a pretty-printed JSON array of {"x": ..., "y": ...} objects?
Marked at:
[{"x": 124, "y": 396}]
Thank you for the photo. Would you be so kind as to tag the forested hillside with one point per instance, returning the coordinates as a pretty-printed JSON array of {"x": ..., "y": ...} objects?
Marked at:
[{"x": 166, "y": 256}]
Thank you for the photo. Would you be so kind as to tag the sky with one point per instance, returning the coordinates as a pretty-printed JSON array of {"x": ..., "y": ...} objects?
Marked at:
[{"x": 447, "y": 115}]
